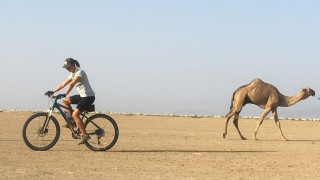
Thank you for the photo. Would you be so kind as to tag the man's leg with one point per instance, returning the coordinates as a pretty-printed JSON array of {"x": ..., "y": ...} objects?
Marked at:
[
  {"x": 76, "y": 116},
  {"x": 67, "y": 103}
]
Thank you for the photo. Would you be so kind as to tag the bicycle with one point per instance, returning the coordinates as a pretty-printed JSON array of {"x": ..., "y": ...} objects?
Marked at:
[{"x": 41, "y": 131}]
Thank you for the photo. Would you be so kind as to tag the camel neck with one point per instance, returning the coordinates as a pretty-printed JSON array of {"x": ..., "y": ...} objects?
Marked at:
[{"x": 291, "y": 100}]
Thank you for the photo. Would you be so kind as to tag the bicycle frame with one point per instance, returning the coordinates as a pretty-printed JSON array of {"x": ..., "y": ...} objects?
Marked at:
[{"x": 57, "y": 105}]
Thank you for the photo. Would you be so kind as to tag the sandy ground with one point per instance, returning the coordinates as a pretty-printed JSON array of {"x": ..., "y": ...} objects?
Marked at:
[{"x": 152, "y": 147}]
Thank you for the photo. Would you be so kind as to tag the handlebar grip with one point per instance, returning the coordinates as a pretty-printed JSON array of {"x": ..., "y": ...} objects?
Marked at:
[{"x": 59, "y": 96}]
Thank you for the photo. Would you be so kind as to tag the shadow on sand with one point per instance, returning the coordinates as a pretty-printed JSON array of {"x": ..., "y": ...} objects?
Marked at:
[
  {"x": 277, "y": 140},
  {"x": 187, "y": 151},
  {"x": 304, "y": 140}
]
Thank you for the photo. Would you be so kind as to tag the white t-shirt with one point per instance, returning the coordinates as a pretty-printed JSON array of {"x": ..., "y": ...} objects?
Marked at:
[{"x": 83, "y": 86}]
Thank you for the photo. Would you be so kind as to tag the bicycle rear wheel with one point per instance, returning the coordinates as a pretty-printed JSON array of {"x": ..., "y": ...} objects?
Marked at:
[
  {"x": 103, "y": 131},
  {"x": 36, "y": 136}
]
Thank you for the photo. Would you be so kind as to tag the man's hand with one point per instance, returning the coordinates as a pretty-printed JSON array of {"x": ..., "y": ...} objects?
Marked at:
[
  {"x": 49, "y": 93},
  {"x": 61, "y": 96}
]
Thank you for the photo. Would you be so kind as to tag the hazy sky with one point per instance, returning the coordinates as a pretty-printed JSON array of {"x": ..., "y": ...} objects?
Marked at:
[{"x": 168, "y": 56}]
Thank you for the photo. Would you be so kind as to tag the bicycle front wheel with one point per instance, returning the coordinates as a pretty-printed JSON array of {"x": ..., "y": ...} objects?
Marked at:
[
  {"x": 103, "y": 131},
  {"x": 37, "y": 135}
]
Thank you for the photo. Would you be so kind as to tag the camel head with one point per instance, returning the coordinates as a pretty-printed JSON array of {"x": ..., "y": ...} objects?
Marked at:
[{"x": 308, "y": 92}]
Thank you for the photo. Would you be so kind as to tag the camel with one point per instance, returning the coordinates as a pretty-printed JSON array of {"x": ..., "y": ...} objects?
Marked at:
[{"x": 267, "y": 97}]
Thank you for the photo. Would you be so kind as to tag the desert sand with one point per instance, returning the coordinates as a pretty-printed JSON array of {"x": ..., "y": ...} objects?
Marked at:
[{"x": 162, "y": 147}]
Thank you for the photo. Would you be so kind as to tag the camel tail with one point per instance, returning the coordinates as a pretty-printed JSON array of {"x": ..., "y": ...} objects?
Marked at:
[{"x": 232, "y": 98}]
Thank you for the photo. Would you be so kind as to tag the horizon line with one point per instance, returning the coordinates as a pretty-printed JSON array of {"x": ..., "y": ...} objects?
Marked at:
[{"x": 171, "y": 115}]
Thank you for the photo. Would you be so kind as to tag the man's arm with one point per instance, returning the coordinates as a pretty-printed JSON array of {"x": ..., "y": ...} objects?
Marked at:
[
  {"x": 62, "y": 85},
  {"x": 72, "y": 84}
]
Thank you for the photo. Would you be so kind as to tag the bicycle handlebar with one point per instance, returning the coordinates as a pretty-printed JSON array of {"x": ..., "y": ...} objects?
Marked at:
[{"x": 59, "y": 96}]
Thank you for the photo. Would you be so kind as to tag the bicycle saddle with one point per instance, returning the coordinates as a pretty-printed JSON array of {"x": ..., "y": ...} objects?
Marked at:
[{"x": 91, "y": 108}]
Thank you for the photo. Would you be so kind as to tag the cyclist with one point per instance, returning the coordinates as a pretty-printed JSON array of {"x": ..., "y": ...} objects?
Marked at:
[{"x": 85, "y": 98}]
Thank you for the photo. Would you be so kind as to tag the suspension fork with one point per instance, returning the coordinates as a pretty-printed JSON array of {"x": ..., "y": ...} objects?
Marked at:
[{"x": 46, "y": 123}]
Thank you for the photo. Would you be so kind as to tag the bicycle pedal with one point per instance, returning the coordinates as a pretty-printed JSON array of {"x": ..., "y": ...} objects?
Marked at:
[
  {"x": 75, "y": 136},
  {"x": 67, "y": 125}
]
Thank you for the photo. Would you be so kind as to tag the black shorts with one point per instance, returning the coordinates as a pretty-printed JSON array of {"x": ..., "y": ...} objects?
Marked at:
[{"x": 83, "y": 102}]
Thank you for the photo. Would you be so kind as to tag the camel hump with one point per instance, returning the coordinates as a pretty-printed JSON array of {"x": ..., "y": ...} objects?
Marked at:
[
  {"x": 256, "y": 80},
  {"x": 256, "y": 83}
]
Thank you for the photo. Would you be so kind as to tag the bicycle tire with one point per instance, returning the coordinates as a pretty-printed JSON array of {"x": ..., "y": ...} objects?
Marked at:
[
  {"x": 109, "y": 132},
  {"x": 34, "y": 124}
]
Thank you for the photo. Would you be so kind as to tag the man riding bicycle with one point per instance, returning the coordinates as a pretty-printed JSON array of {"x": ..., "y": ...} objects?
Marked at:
[{"x": 85, "y": 98}]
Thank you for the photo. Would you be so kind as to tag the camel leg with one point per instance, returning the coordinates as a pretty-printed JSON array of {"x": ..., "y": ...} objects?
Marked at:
[
  {"x": 264, "y": 114},
  {"x": 228, "y": 116},
  {"x": 275, "y": 115},
  {"x": 235, "y": 122}
]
